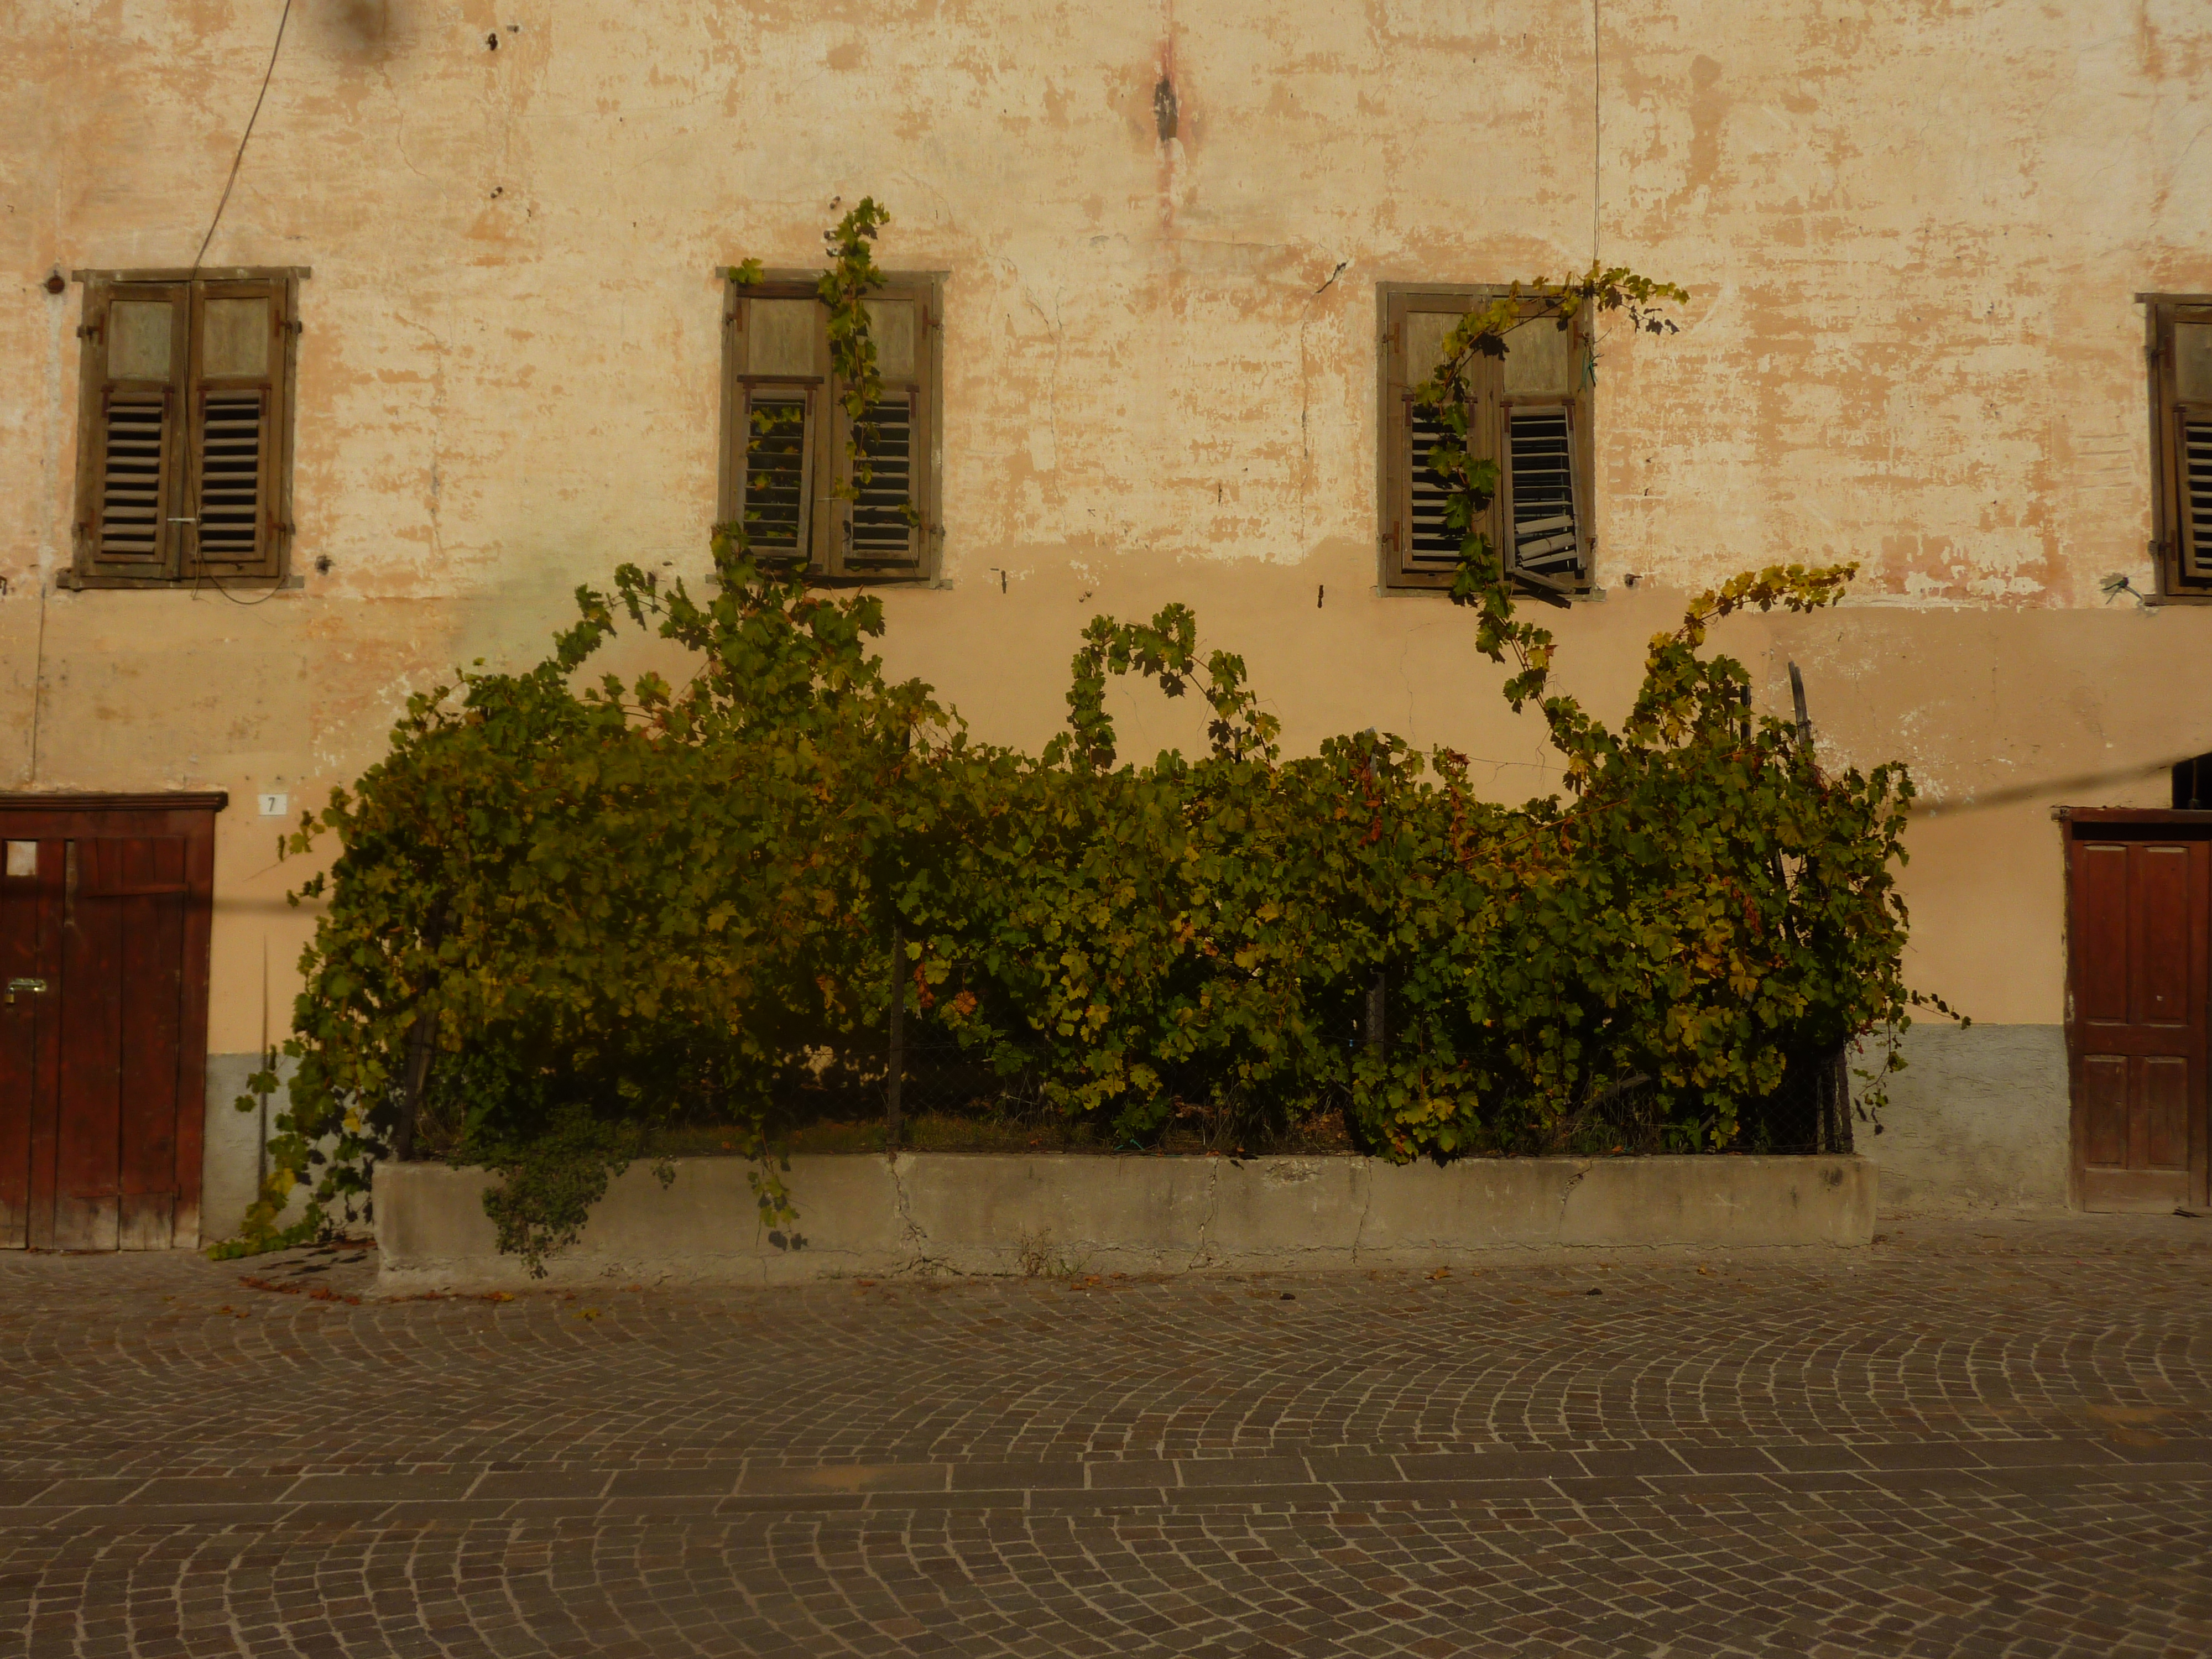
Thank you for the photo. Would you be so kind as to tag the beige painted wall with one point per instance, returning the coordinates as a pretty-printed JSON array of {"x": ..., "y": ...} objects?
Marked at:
[{"x": 1912, "y": 232}]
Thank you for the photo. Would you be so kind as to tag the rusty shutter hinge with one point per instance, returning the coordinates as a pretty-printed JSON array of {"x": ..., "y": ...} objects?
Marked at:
[
  {"x": 295, "y": 328},
  {"x": 87, "y": 331}
]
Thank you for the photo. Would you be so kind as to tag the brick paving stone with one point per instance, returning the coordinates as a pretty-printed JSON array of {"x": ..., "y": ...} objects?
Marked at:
[{"x": 1990, "y": 1438}]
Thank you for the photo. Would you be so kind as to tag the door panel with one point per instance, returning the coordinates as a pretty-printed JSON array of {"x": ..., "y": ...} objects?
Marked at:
[
  {"x": 101, "y": 1077},
  {"x": 2162, "y": 920},
  {"x": 2101, "y": 932},
  {"x": 88, "y": 1151},
  {"x": 2164, "y": 1144},
  {"x": 2103, "y": 1103},
  {"x": 2140, "y": 905},
  {"x": 144, "y": 880},
  {"x": 29, "y": 879},
  {"x": 121, "y": 970}
]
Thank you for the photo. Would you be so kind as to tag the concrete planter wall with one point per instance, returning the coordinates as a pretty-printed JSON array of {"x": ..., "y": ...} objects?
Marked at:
[{"x": 937, "y": 1213}]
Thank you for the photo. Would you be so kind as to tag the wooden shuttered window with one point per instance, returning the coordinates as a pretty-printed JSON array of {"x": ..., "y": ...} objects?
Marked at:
[
  {"x": 1528, "y": 411},
  {"x": 184, "y": 450},
  {"x": 789, "y": 475},
  {"x": 2181, "y": 393}
]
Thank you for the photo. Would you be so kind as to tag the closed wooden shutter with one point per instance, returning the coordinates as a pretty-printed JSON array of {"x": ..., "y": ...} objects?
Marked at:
[
  {"x": 1541, "y": 384},
  {"x": 884, "y": 536},
  {"x": 885, "y": 511},
  {"x": 778, "y": 362},
  {"x": 778, "y": 476},
  {"x": 136, "y": 361},
  {"x": 1419, "y": 547},
  {"x": 2190, "y": 460},
  {"x": 1431, "y": 545},
  {"x": 236, "y": 442}
]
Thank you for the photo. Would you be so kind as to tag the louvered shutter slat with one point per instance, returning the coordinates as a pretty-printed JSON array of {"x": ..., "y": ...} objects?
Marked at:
[
  {"x": 1545, "y": 535},
  {"x": 1432, "y": 544},
  {"x": 135, "y": 427},
  {"x": 773, "y": 494},
  {"x": 884, "y": 534},
  {"x": 2197, "y": 493},
  {"x": 230, "y": 467}
]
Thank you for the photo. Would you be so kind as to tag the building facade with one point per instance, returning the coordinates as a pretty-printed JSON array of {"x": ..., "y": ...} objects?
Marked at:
[{"x": 462, "y": 339}]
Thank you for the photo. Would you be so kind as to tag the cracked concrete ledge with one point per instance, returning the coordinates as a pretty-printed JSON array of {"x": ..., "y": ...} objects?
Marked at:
[{"x": 924, "y": 1213}]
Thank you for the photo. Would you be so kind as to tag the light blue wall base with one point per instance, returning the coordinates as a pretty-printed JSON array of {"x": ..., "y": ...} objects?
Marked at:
[
  {"x": 1977, "y": 1122},
  {"x": 230, "y": 1169}
]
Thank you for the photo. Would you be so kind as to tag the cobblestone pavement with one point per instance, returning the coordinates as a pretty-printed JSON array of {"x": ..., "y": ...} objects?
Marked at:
[{"x": 1972, "y": 1440}]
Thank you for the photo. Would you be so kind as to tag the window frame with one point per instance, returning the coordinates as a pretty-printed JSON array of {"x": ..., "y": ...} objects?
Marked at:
[
  {"x": 2176, "y": 584},
  {"x": 1487, "y": 434},
  {"x": 826, "y": 462},
  {"x": 185, "y": 568}
]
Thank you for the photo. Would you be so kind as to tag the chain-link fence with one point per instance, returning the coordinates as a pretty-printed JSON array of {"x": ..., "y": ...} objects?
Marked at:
[{"x": 1810, "y": 1113}]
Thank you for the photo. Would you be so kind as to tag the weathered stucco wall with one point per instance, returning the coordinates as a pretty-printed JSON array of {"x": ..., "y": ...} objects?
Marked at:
[{"x": 1912, "y": 232}]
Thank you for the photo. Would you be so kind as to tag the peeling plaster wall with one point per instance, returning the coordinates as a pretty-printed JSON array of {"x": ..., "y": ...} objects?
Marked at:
[{"x": 1912, "y": 232}]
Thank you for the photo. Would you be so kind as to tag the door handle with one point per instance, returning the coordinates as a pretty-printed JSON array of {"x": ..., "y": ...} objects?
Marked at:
[{"x": 36, "y": 987}]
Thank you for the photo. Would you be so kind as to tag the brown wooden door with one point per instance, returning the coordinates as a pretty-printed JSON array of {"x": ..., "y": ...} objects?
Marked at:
[
  {"x": 103, "y": 939},
  {"x": 2140, "y": 887},
  {"x": 30, "y": 965}
]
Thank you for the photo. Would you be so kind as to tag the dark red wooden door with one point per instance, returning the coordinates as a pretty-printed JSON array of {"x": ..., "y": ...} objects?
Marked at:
[
  {"x": 103, "y": 942},
  {"x": 2141, "y": 897},
  {"x": 122, "y": 1006},
  {"x": 30, "y": 966}
]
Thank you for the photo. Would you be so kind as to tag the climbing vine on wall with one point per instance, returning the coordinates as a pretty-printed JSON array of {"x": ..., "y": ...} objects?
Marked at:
[{"x": 565, "y": 910}]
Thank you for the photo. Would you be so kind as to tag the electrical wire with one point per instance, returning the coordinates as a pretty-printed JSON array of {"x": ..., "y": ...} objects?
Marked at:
[
  {"x": 38, "y": 686},
  {"x": 201, "y": 573},
  {"x": 1597, "y": 127}
]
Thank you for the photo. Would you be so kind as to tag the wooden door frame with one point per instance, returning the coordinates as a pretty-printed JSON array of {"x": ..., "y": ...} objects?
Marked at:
[
  {"x": 189, "y": 816},
  {"x": 2146, "y": 824}
]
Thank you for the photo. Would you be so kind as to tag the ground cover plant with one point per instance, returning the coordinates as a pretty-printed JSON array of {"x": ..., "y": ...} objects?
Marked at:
[{"x": 571, "y": 921}]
